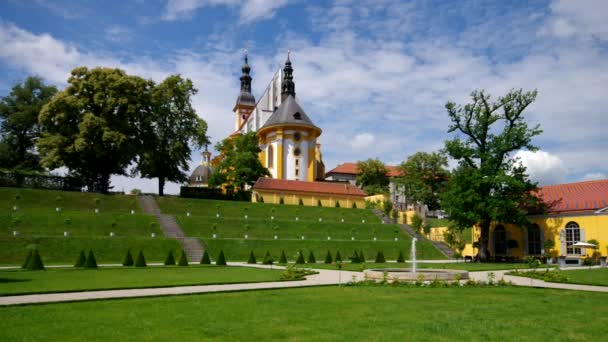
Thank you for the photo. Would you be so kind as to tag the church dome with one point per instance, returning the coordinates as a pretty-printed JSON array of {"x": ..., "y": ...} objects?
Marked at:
[
  {"x": 200, "y": 175},
  {"x": 289, "y": 113}
]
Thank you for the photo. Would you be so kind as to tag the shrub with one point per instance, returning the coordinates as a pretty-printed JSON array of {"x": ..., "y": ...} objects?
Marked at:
[
  {"x": 35, "y": 262},
  {"x": 251, "y": 259},
  {"x": 417, "y": 223},
  {"x": 361, "y": 256},
  {"x": 90, "y": 262},
  {"x": 205, "y": 260},
  {"x": 328, "y": 258},
  {"x": 221, "y": 259},
  {"x": 283, "y": 258},
  {"x": 268, "y": 260},
  {"x": 311, "y": 258},
  {"x": 141, "y": 260},
  {"x": 28, "y": 257},
  {"x": 169, "y": 260},
  {"x": 355, "y": 258},
  {"x": 261, "y": 199},
  {"x": 338, "y": 257},
  {"x": 400, "y": 258},
  {"x": 128, "y": 259},
  {"x": 354, "y": 206},
  {"x": 319, "y": 203},
  {"x": 183, "y": 259},
  {"x": 300, "y": 259},
  {"x": 337, "y": 204},
  {"x": 380, "y": 258},
  {"x": 281, "y": 200},
  {"x": 80, "y": 260},
  {"x": 300, "y": 202}
]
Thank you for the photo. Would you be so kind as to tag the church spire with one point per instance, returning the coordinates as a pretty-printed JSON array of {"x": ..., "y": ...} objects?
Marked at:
[
  {"x": 245, "y": 96},
  {"x": 288, "y": 87}
]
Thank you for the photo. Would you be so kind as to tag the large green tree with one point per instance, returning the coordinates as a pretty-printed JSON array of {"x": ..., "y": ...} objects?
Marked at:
[
  {"x": 169, "y": 129},
  {"x": 424, "y": 176},
  {"x": 19, "y": 123},
  {"x": 489, "y": 185},
  {"x": 239, "y": 163},
  {"x": 93, "y": 126},
  {"x": 371, "y": 176}
]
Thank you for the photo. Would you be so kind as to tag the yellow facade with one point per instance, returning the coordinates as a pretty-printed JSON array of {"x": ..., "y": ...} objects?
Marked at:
[{"x": 293, "y": 198}]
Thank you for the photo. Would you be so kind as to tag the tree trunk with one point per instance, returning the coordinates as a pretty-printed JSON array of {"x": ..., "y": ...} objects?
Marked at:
[
  {"x": 484, "y": 239},
  {"x": 104, "y": 185},
  {"x": 161, "y": 186}
]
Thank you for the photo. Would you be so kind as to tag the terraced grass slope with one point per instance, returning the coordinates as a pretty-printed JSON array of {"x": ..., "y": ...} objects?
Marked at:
[{"x": 296, "y": 228}]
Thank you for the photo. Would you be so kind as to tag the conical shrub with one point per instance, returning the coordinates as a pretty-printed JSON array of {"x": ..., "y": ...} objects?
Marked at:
[
  {"x": 400, "y": 258},
  {"x": 80, "y": 260},
  {"x": 283, "y": 258},
  {"x": 205, "y": 260},
  {"x": 338, "y": 256},
  {"x": 169, "y": 260},
  {"x": 328, "y": 258},
  {"x": 380, "y": 258},
  {"x": 221, "y": 259},
  {"x": 361, "y": 256},
  {"x": 251, "y": 259},
  {"x": 354, "y": 258},
  {"x": 300, "y": 259},
  {"x": 90, "y": 262},
  {"x": 183, "y": 259},
  {"x": 268, "y": 260},
  {"x": 128, "y": 261},
  {"x": 28, "y": 257},
  {"x": 311, "y": 258},
  {"x": 141, "y": 260},
  {"x": 35, "y": 262}
]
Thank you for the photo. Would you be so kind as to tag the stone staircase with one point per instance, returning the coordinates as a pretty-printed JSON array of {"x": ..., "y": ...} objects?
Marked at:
[
  {"x": 442, "y": 247},
  {"x": 171, "y": 229}
]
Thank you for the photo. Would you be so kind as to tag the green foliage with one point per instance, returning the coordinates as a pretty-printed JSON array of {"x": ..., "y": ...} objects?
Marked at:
[
  {"x": 294, "y": 273},
  {"x": 512, "y": 244},
  {"x": 239, "y": 162},
  {"x": 35, "y": 262},
  {"x": 361, "y": 256},
  {"x": 205, "y": 260},
  {"x": 400, "y": 258},
  {"x": 319, "y": 204},
  {"x": 300, "y": 202},
  {"x": 26, "y": 262},
  {"x": 549, "y": 244},
  {"x": 90, "y": 262},
  {"x": 328, "y": 258},
  {"x": 337, "y": 204},
  {"x": 141, "y": 260},
  {"x": 19, "y": 126},
  {"x": 128, "y": 260},
  {"x": 251, "y": 259},
  {"x": 417, "y": 222},
  {"x": 355, "y": 258},
  {"x": 268, "y": 260},
  {"x": 555, "y": 276},
  {"x": 371, "y": 176},
  {"x": 221, "y": 259},
  {"x": 183, "y": 259},
  {"x": 300, "y": 259},
  {"x": 283, "y": 258},
  {"x": 261, "y": 199},
  {"x": 354, "y": 206},
  {"x": 311, "y": 258},
  {"x": 281, "y": 200},
  {"x": 387, "y": 206},
  {"x": 170, "y": 260},
  {"x": 488, "y": 185},
  {"x": 338, "y": 257},
  {"x": 532, "y": 261},
  {"x": 424, "y": 177},
  {"x": 81, "y": 260},
  {"x": 380, "y": 258}
]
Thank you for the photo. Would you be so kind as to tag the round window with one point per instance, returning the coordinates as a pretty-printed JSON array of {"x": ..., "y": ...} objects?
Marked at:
[
  {"x": 297, "y": 151},
  {"x": 297, "y": 136}
]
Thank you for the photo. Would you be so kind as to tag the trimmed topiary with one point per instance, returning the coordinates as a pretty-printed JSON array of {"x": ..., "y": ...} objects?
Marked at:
[
  {"x": 354, "y": 206},
  {"x": 319, "y": 204},
  {"x": 80, "y": 260},
  {"x": 361, "y": 256},
  {"x": 281, "y": 200},
  {"x": 128, "y": 259},
  {"x": 183, "y": 259},
  {"x": 90, "y": 262},
  {"x": 400, "y": 258},
  {"x": 251, "y": 259},
  {"x": 28, "y": 257},
  {"x": 221, "y": 259},
  {"x": 141, "y": 260},
  {"x": 35, "y": 262},
  {"x": 311, "y": 258},
  {"x": 261, "y": 199},
  {"x": 169, "y": 260},
  {"x": 380, "y": 258},
  {"x": 205, "y": 260},
  {"x": 355, "y": 258},
  {"x": 338, "y": 257},
  {"x": 300, "y": 259},
  {"x": 283, "y": 258},
  {"x": 328, "y": 258},
  {"x": 268, "y": 260},
  {"x": 301, "y": 202},
  {"x": 337, "y": 204}
]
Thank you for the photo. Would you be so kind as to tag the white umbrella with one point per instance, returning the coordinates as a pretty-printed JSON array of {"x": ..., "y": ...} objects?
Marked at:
[{"x": 582, "y": 244}]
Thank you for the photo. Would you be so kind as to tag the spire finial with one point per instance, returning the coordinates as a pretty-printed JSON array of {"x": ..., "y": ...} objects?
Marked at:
[
  {"x": 288, "y": 87},
  {"x": 288, "y": 54},
  {"x": 245, "y": 96}
]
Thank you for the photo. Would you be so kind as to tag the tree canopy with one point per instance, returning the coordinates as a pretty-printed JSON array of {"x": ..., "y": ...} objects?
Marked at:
[
  {"x": 371, "y": 176},
  {"x": 19, "y": 123},
  {"x": 424, "y": 176},
  {"x": 238, "y": 162},
  {"x": 489, "y": 185}
]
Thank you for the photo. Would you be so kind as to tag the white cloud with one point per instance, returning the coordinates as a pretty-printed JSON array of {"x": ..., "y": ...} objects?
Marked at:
[
  {"x": 586, "y": 19},
  {"x": 594, "y": 176},
  {"x": 363, "y": 141},
  {"x": 250, "y": 10},
  {"x": 543, "y": 167}
]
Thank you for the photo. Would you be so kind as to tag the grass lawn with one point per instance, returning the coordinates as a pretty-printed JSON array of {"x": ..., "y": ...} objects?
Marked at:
[
  {"x": 595, "y": 276},
  {"x": 454, "y": 266},
  {"x": 322, "y": 314},
  {"x": 65, "y": 280}
]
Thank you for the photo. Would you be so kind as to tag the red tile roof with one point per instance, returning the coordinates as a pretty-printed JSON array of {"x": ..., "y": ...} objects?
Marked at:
[
  {"x": 328, "y": 188},
  {"x": 351, "y": 169},
  {"x": 573, "y": 197}
]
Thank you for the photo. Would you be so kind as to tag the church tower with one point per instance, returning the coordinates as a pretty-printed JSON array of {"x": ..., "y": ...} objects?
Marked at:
[
  {"x": 288, "y": 139},
  {"x": 245, "y": 102}
]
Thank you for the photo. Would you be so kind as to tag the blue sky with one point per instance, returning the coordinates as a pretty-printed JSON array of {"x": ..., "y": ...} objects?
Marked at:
[{"x": 374, "y": 75}]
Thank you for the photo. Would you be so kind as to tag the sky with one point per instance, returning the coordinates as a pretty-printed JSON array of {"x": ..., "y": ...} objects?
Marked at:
[{"x": 375, "y": 75}]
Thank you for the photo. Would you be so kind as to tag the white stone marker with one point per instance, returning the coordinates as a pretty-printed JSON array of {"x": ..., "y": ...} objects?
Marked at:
[
  {"x": 276, "y": 237},
  {"x": 302, "y": 237},
  {"x": 15, "y": 232},
  {"x": 57, "y": 209},
  {"x": 329, "y": 238},
  {"x": 153, "y": 235},
  {"x": 96, "y": 211},
  {"x": 188, "y": 214},
  {"x": 214, "y": 236},
  {"x": 111, "y": 233},
  {"x": 66, "y": 234}
]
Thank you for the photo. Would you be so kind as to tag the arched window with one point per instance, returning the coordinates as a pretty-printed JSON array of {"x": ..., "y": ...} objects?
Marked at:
[
  {"x": 534, "y": 240},
  {"x": 573, "y": 235},
  {"x": 500, "y": 240},
  {"x": 270, "y": 156}
]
